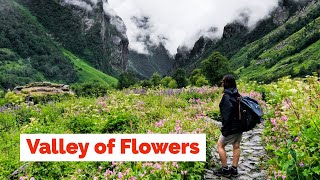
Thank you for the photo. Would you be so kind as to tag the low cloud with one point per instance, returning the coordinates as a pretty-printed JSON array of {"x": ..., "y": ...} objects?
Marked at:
[
  {"x": 177, "y": 23},
  {"x": 82, "y": 4}
]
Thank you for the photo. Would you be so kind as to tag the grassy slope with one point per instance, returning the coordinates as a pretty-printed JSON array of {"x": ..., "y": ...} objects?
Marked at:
[
  {"x": 283, "y": 52},
  {"x": 88, "y": 73},
  {"x": 16, "y": 71},
  {"x": 295, "y": 60}
]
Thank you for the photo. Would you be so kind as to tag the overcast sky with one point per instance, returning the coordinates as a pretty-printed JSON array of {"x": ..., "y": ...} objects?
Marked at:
[{"x": 182, "y": 22}]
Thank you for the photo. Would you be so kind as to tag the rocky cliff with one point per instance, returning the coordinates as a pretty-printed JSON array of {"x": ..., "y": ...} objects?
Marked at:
[
  {"x": 88, "y": 28},
  {"x": 237, "y": 35},
  {"x": 144, "y": 65}
]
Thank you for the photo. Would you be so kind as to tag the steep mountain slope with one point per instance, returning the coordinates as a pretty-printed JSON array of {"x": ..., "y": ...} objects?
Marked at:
[
  {"x": 144, "y": 65},
  {"x": 34, "y": 33},
  {"x": 236, "y": 35},
  {"x": 27, "y": 52},
  {"x": 87, "y": 28},
  {"x": 292, "y": 49}
]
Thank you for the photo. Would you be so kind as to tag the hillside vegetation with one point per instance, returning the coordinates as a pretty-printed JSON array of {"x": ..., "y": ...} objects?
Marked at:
[
  {"x": 87, "y": 73},
  {"x": 28, "y": 53},
  {"x": 292, "y": 49},
  {"x": 87, "y": 34}
]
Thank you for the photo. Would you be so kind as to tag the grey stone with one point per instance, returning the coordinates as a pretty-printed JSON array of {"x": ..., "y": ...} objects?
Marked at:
[{"x": 252, "y": 152}]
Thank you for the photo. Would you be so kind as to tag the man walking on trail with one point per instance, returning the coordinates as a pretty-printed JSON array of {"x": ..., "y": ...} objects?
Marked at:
[{"x": 231, "y": 132}]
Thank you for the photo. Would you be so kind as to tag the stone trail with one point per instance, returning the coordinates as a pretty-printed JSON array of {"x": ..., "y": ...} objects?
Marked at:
[{"x": 251, "y": 161}]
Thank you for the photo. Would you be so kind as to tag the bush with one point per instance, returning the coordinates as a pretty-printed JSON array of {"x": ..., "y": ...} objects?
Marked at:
[
  {"x": 215, "y": 67},
  {"x": 145, "y": 83},
  {"x": 194, "y": 76},
  {"x": 166, "y": 80},
  {"x": 155, "y": 79},
  {"x": 169, "y": 82},
  {"x": 82, "y": 125},
  {"x": 90, "y": 89},
  {"x": 173, "y": 84},
  {"x": 126, "y": 80},
  {"x": 202, "y": 81},
  {"x": 14, "y": 98},
  {"x": 36, "y": 99},
  {"x": 121, "y": 123},
  {"x": 180, "y": 77}
]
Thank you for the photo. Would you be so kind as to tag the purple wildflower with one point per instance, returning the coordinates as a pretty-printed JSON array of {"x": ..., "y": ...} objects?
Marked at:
[{"x": 301, "y": 164}]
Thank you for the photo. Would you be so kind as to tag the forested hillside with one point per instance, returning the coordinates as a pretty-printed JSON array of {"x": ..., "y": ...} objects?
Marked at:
[
  {"x": 34, "y": 33},
  {"x": 292, "y": 49},
  {"x": 284, "y": 44},
  {"x": 88, "y": 32},
  {"x": 27, "y": 52}
]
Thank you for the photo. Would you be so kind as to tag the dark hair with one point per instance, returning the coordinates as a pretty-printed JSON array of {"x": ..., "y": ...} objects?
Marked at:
[{"x": 229, "y": 81}]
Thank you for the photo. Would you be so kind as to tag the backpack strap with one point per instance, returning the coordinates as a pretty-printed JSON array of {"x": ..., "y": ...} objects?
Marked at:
[
  {"x": 239, "y": 107},
  {"x": 238, "y": 101}
]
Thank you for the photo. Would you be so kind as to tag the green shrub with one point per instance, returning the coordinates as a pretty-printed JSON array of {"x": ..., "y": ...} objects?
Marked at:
[
  {"x": 90, "y": 89},
  {"x": 215, "y": 67},
  {"x": 145, "y": 83},
  {"x": 126, "y": 80},
  {"x": 155, "y": 79},
  {"x": 180, "y": 77},
  {"x": 202, "y": 81},
  {"x": 120, "y": 123},
  {"x": 82, "y": 125},
  {"x": 173, "y": 84},
  {"x": 14, "y": 98}
]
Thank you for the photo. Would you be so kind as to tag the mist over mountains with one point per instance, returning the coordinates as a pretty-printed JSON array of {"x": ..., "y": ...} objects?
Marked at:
[
  {"x": 183, "y": 22},
  {"x": 68, "y": 41}
]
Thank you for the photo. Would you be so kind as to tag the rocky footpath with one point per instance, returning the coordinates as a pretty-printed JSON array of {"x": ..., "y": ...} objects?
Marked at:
[{"x": 252, "y": 157}]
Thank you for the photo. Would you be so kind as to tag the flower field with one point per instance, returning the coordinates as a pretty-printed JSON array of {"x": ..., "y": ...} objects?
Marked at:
[
  {"x": 128, "y": 111},
  {"x": 291, "y": 134}
]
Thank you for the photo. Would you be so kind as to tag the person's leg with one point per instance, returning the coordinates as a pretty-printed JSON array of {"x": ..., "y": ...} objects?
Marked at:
[
  {"x": 222, "y": 152},
  {"x": 224, "y": 170},
  {"x": 236, "y": 154},
  {"x": 236, "y": 150}
]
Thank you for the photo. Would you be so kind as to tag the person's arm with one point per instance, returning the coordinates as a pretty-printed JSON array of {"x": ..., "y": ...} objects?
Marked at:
[{"x": 226, "y": 110}]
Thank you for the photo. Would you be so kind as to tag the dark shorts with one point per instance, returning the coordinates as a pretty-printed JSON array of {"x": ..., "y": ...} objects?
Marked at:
[{"x": 231, "y": 139}]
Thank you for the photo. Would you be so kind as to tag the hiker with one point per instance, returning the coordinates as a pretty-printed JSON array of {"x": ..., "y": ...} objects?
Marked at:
[{"x": 231, "y": 132}]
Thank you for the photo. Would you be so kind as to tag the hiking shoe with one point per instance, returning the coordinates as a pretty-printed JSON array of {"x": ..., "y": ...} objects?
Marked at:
[
  {"x": 233, "y": 171},
  {"x": 224, "y": 171}
]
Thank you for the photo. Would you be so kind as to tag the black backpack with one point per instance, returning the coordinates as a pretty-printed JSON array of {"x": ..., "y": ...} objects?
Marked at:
[{"x": 250, "y": 113}]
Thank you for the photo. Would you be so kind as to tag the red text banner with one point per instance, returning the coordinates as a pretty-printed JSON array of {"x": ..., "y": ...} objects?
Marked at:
[{"x": 112, "y": 147}]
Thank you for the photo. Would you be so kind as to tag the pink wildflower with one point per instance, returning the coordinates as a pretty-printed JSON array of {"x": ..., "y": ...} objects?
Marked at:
[
  {"x": 274, "y": 121},
  {"x": 284, "y": 118},
  {"x": 120, "y": 175},
  {"x": 157, "y": 166},
  {"x": 184, "y": 172}
]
